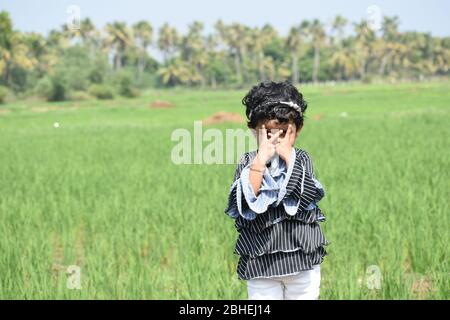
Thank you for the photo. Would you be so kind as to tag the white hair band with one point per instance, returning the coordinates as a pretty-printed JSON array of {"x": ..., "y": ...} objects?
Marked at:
[{"x": 291, "y": 104}]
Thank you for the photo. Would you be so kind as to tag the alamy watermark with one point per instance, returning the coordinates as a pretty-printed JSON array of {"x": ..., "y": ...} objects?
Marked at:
[
  {"x": 74, "y": 17},
  {"x": 73, "y": 277},
  {"x": 373, "y": 277},
  {"x": 211, "y": 146},
  {"x": 374, "y": 17}
]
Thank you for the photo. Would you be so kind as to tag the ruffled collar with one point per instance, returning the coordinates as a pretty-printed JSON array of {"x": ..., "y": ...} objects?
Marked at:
[{"x": 277, "y": 166}]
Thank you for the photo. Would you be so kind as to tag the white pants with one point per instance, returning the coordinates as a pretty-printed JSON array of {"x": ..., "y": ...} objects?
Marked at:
[{"x": 302, "y": 286}]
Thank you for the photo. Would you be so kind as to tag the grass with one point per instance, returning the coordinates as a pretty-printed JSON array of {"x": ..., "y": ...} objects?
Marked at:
[{"x": 100, "y": 192}]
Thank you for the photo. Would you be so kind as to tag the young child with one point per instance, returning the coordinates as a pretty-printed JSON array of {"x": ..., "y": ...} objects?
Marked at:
[{"x": 273, "y": 200}]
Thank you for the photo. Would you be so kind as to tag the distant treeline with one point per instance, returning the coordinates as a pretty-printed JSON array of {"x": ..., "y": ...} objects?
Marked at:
[{"x": 72, "y": 63}]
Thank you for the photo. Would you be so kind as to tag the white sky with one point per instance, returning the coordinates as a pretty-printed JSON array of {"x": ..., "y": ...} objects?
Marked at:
[{"x": 43, "y": 15}]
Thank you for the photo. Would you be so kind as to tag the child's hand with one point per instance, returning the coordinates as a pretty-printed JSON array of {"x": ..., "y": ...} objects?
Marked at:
[
  {"x": 284, "y": 145},
  {"x": 267, "y": 147}
]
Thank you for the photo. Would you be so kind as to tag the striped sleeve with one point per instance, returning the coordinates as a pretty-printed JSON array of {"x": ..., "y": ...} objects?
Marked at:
[
  {"x": 242, "y": 199},
  {"x": 303, "y": 185},
  {"x": 268, "y": 191},
  {"x": 236, "y": 206},
  {"x": 320, "y": 191}
]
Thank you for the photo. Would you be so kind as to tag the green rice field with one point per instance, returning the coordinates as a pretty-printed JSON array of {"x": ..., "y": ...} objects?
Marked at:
[{"x": 91, "y": 184}]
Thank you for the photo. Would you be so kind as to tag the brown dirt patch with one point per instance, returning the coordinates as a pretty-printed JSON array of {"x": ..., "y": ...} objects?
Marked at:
[
  {"x": 161, "y": 104},
  {"x": 4, "y": 111},
  {"x": 223, "y": 116},
  {"x": 421, "y": 285},
  {"x": 318, "y": 116},
  {"x": 51, "y": 108}
]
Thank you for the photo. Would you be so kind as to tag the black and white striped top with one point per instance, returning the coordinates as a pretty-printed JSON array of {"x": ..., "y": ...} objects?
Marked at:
[{"x": 275, "y": 243}]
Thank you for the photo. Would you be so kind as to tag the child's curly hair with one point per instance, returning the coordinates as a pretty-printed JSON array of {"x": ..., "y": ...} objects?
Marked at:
[{"x": 262, "y": 103}]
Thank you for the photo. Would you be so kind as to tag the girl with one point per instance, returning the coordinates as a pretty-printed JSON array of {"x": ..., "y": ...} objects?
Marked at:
[{"x": 273, "y": 200}]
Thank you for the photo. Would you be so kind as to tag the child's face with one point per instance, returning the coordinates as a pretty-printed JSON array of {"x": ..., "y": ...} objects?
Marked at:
[{"x": 272, "y": 126}]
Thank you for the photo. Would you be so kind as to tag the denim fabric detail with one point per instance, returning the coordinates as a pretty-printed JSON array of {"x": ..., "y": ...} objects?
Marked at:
[
  {"x": 320, "y": 189},
  {"x": 272, "y": 190},
  {"x": 231, "y": 209},
  {"x": 283, "y": 184},
  {"x": 267, "y": 192},
  {"x": 291, "y": 206}
]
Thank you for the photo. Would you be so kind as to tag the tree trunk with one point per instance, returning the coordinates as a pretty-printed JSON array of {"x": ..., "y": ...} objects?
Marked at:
[
  {"x": 213, "y": 81},
  {"x": 316, "y": 63},
  {"x": 243, "y": 57},
  {"x": 383, "y": 64},
  {"x": 141, "y": 67},
  {"x": 237, "y": 64},
  {"x": 117, "y": 61},
  {"x": 294, "y": 68},
  {"x": 202, "y": 78},
  {"x": 362, "y": 71},
  {"x": 6, "y": 73},
  {"x": 341, "y": 74},
  {"x": 262, "y": 75}
]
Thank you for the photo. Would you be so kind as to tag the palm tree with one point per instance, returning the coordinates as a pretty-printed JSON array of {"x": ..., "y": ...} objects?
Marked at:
[
  {"x": 238, "y": 38},
  {"x": 38, "y": 53},
  {"x": 214, "y": 55},
  {"x": 14, "y": 52},
  {"x": 143, "y": 32},
  {"x": 194, "y": 51},
  {"x": 343, "y": 62},
  {"x": 260, "y": 39},
  {"x": 318, "y": 36},
  {"x": 293, "y": 42},
  {"x": 6, "y": 45},
  {"x": 337, "y": 29},
  {"x": 168, "y": 41},
  {"x": 242, "y": 35},
  {"x": 364, "y": 41},
  {"x": 341, "y": 57},
  {"x": 441, "y": 55},
  {"x": 88, "y": 32},
  {"x": 57, "y": 40},
  {"x": 119, "y": 39},
  {"x": 176, "y": 72},
  {"x": 229, "y": 38},
  {"x": 387, "y": 45}
]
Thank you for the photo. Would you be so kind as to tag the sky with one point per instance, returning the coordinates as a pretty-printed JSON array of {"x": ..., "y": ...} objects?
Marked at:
[{"x": 44, "y": 15}]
